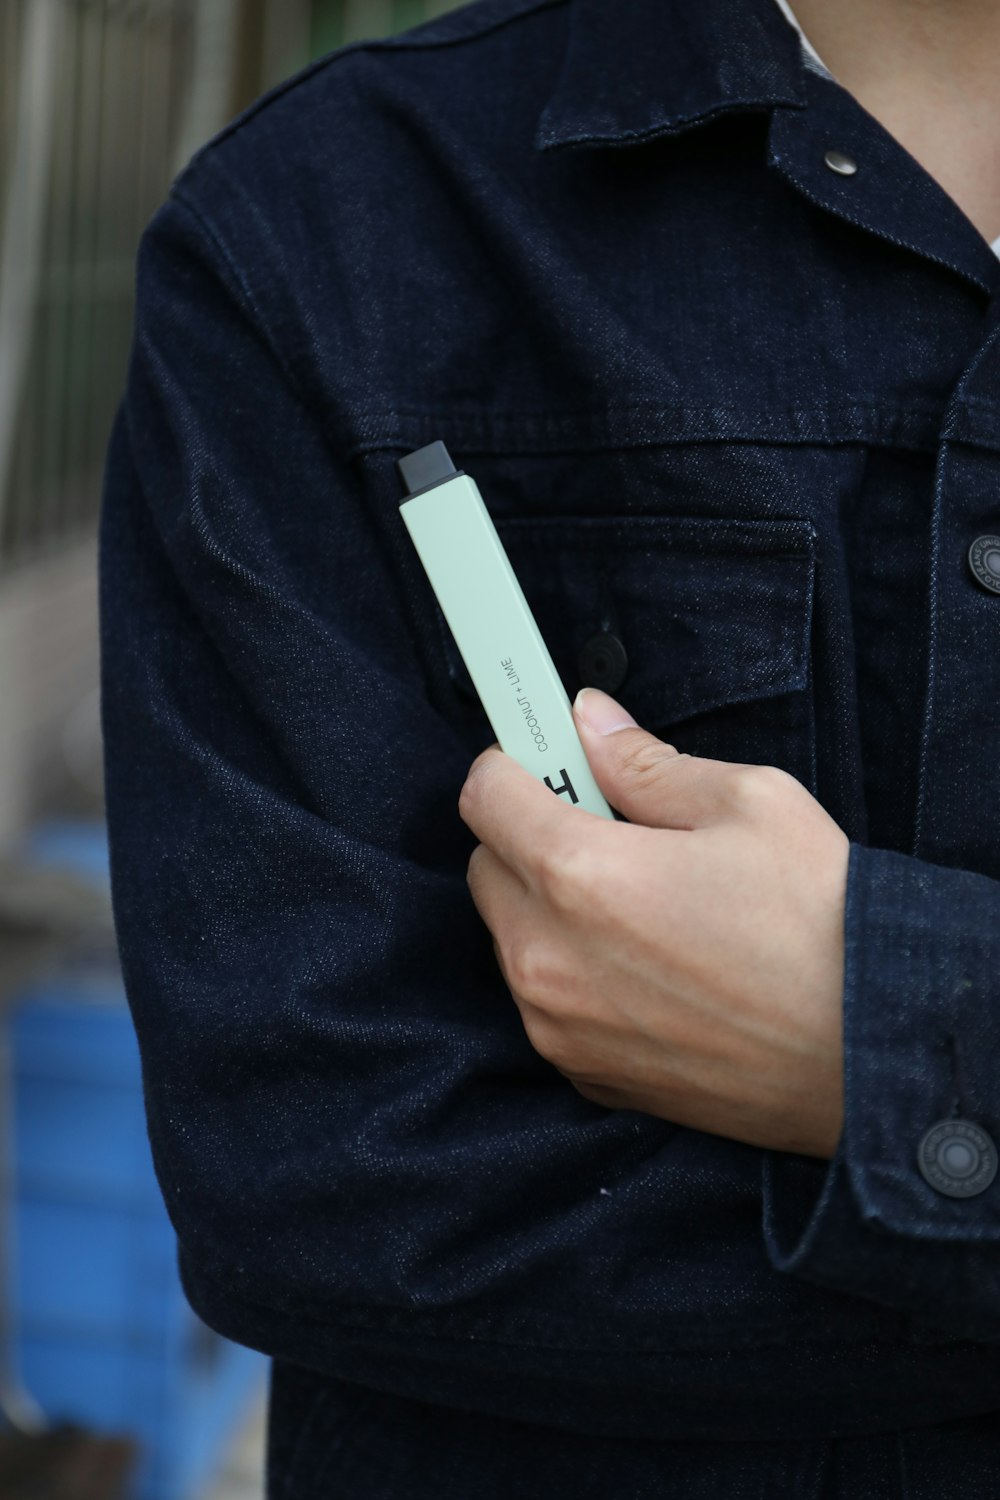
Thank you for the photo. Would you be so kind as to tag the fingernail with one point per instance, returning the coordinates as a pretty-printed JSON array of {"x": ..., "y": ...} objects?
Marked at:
[{"x": 601, "y": 713}]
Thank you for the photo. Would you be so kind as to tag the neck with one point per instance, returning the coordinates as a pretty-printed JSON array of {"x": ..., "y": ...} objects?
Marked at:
[
  {"x": 944, "y": 51},
  {"x": 926, "y": 69}
]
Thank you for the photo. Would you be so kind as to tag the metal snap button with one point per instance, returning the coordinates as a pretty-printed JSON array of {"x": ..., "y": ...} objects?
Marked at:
[
  {"x": 984, "y": 560},
  {"x": 846, "y": 166},
  {"x": 957, "y": 1158},
  {"x": 602, "y": 662}
]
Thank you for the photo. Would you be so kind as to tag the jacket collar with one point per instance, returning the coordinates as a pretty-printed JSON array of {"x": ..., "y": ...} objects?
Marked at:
[{"x": 634, "y": 69}]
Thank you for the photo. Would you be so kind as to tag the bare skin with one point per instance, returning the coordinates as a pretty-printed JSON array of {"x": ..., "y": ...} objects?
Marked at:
[
  {"x": 688, "y": 963},
  {"x": 929, "y": 71}
]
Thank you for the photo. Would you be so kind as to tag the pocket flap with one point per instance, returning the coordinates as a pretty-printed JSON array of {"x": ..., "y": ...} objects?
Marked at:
[{"x": 709, "y": 612}]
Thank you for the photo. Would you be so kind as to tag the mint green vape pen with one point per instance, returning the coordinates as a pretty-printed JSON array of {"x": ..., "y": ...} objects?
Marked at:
[{"x": 494, "y": 629}]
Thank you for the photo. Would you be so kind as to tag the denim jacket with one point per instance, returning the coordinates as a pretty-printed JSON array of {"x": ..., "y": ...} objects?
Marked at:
[{"x": 736, "y": 413}]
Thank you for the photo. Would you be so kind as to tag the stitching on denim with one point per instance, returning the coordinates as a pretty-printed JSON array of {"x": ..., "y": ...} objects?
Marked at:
[
  {"x": 198, "y": 520},
  {"x": 404, "y": 43},
  {"x": 831, "y": 206},
  {"x": 927, "y": 724},
  {"x": 719, "y": 536},
  {"x": 956, "y": 1073},
  {"x": 366, "y": 44},
  {"x": 782, "y": 674},
  {"x": 677, "y": 124},
  {"x": 243, "y": 291},
  {"x": 253, "y": 308},
  {"x": 930, "y": 409},
  {"x": 207, "y": 228},
  {"x": 517, "y": 434}
]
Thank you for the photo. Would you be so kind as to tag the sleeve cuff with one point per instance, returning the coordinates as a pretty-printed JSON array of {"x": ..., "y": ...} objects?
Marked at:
[{"x": 921, "y": 1033}]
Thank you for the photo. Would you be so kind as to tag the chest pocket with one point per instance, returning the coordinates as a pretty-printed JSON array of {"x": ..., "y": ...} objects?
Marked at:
[{"x": 700, "y": 627}]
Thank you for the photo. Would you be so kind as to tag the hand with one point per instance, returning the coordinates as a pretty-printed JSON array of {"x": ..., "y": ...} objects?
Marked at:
[{"x": 688, "y": 963}]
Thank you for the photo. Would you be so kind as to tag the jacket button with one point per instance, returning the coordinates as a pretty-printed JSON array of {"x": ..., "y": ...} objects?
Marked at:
[
  {"x": 984, "y": 560},
  {"x": 844, "y": 166},
  {"x": 957, "y": 1158},
  {"x": 602, "y": 662}
]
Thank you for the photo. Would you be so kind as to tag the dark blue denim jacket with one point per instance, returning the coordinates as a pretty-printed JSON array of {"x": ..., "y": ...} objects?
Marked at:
[{"x": 733, "y": 408}]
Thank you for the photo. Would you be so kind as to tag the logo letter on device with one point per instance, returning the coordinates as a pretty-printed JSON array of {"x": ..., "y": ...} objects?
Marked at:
[{"x": 567, "y": 785}]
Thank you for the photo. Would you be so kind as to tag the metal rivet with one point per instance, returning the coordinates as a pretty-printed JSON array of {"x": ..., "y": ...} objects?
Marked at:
[
  {"x": 958, "y": 1158},
  {"x": 984, "y": 560},
  {"x": 838, "y": 162}
]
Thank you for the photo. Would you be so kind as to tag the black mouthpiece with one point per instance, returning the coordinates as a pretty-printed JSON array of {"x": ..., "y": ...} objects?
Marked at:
[{"x": 425, "y": 467}]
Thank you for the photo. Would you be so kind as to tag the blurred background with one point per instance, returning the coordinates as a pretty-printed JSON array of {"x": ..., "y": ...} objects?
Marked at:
[{"x": 110, "y": 1386}]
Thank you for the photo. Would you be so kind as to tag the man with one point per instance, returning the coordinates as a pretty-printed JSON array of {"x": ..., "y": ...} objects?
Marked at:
[{"x": 547, "y": 1155}]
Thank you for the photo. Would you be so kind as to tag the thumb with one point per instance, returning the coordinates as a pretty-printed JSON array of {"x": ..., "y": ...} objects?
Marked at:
[{"x": 646, "y": 779}]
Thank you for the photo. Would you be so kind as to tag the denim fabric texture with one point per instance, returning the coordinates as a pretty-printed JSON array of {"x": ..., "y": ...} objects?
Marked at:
[{"x": 744, "y": 414}]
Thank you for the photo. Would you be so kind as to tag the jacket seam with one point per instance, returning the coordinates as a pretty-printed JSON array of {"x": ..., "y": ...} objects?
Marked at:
[
  {"x": 246, "y": 295},
  {"x": 368, "y": 44}
]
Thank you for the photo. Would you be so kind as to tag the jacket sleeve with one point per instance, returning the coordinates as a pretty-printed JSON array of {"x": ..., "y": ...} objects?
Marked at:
[
  {"x": 921, "y": 1041},
  {"x": 370, "y": 1170}
]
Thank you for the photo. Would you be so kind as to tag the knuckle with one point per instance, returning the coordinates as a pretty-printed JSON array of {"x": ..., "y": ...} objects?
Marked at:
[
  {"x": 550, "y": 1040},
  {"x": 543, "y": 983},
  {"x": 645, "y": 762},
  {"x": 530, "y": 969},
  {"x": 542, "y": 1032},
  {"x": 755, "y": 787},
  {"x": 566, "y": 870}
]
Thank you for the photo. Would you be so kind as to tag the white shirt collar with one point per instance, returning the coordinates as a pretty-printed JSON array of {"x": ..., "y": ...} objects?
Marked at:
[{"x": 812, "y": 57}]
